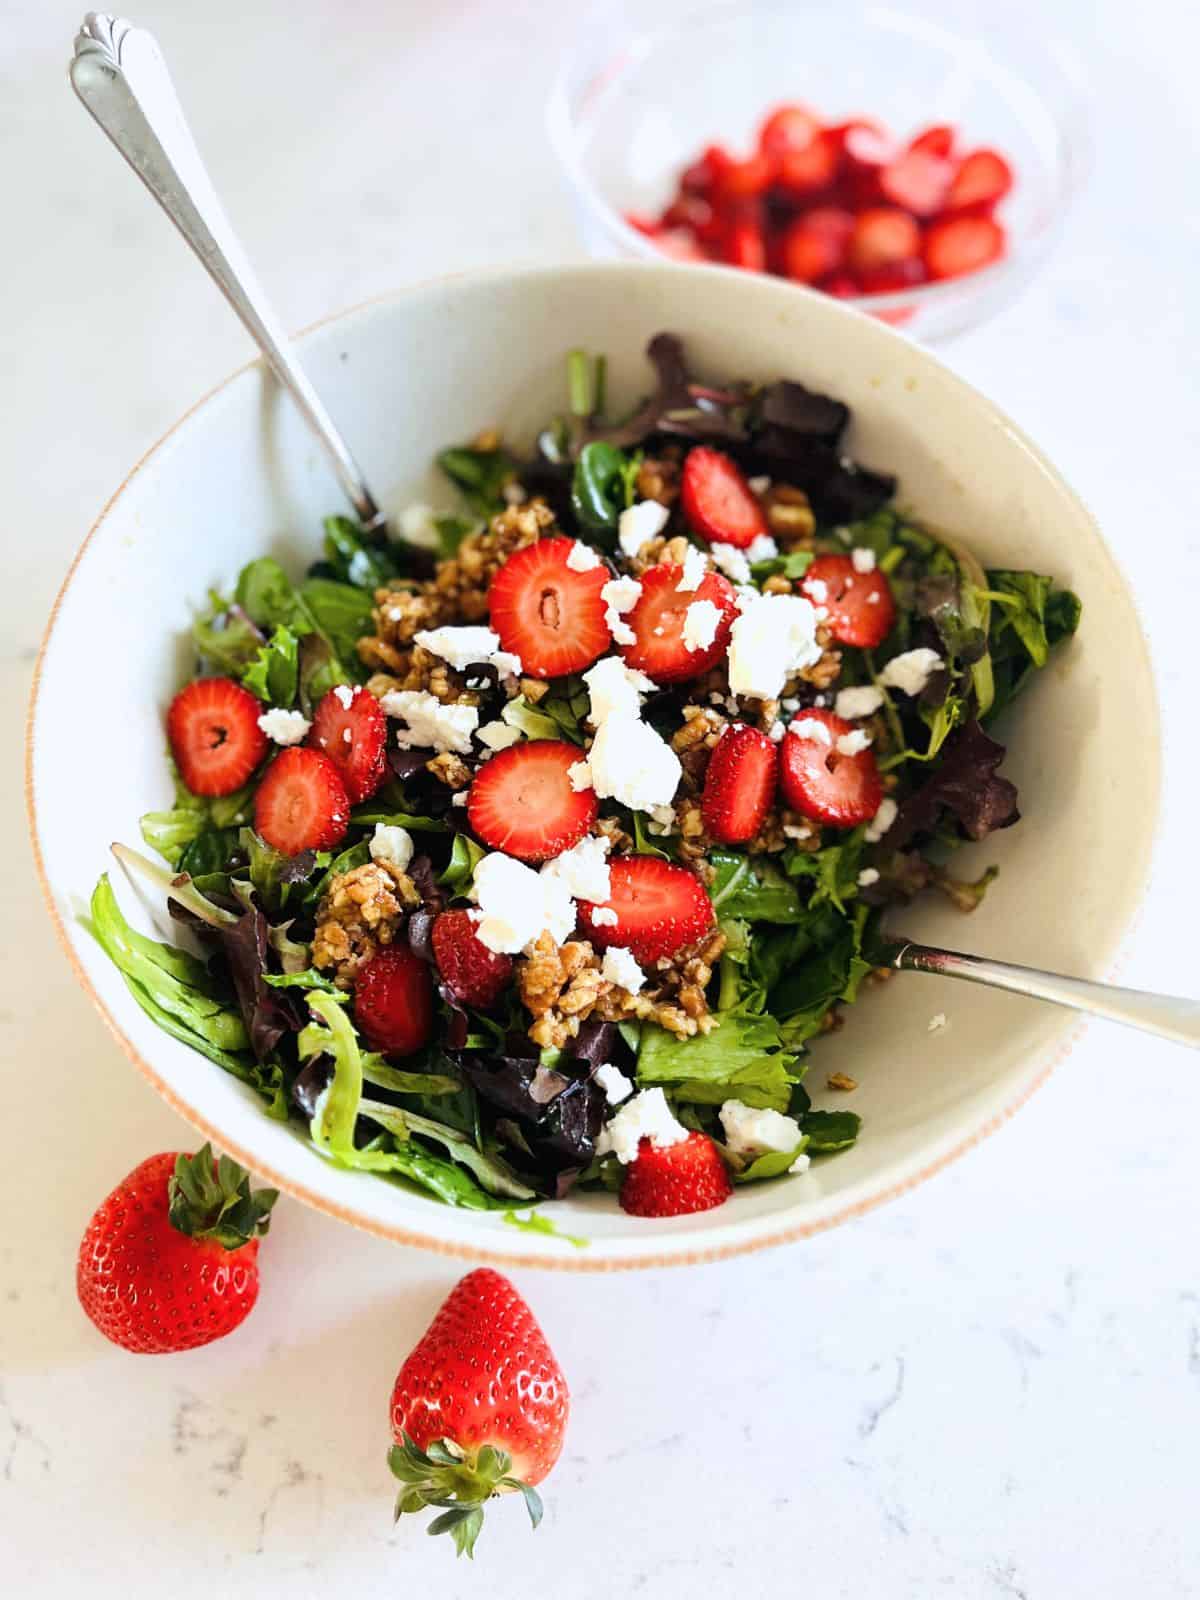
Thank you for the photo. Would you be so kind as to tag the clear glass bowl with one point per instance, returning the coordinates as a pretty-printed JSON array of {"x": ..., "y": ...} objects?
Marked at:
[{"x": 649, "y": 84}]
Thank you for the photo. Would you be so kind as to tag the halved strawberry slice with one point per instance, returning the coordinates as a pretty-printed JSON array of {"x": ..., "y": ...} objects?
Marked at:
[
  {"x": 983, "y": 179},
  {"x": 955, "y": 246},
  {"x": 302, "y": 803},
  {"x": 745, "y": 246},
  {"x": 548, "y": 613},
  {"x": 393, "y": 1001},
  {"x": 522, "y": 801},
  {"x": 881, "y": 236},
  {"x": 917, "y": 181},
  {"x": 859, "y": 607},
  {"x": 808, "y": 171},
  {"x": 743, "y": 180},
  {"x": 675, "y": 1180},
  {"x": 739, "y": 784},
  {"x": 815, "y": 244},
  {"x": 821, "y": 783},
  {"x": 659, "y": 618},
  {"x": 717, "y": 501},
  {"x": 350, "y": 728},
  {"x": 788, "y": 128},
  {"x": 659, "y": 908},
  {"x": 212, "y": 726},
  {"x": 936, "y": 140},
  {"x": 473, "y": 973}
]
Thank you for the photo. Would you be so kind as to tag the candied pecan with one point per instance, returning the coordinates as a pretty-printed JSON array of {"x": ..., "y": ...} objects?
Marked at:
[
  {"x": 658, "y": 477},
  {"x": 789, "y": 516},
  {"x": 611, "y": 829},
  {"x": 777, "y": 584},
  {"x": 534, "y": 689},
  {"x": 359, "y": 914},
  {"x": 824, "y": 672},
  {"x": 657, "y": 551},
  {"x": 450, "y": 769},
  {"x": 842, "y": 1081},
  {"x": 693, "y": 841},
  {"x": 693, "y": 742}
]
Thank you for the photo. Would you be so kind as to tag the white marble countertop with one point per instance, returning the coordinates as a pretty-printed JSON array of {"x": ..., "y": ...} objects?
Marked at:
[{"x": 991, "y": 1387}]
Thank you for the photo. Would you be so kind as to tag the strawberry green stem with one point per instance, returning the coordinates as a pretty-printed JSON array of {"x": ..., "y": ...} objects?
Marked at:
[
  {"x": 460, "y": 1484},
  {"x": 212, "y": 1199}
]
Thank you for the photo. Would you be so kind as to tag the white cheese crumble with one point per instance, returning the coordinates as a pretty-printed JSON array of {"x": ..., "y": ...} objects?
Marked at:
[
  {"x": 646, "y": 1116},
  {"x": 776, "y": 731},
  {"x": 761, "y": 548},
  {"x": 695, "y": 566},
  {"x": 854, "y": 742},
  {"x": 498, "y": 735},
  {"x": 459, "y": 798},
  {"x": 604, "y": 916},
  {"x": 758, "y": 485},
  {"x": 431, "y": 725},
  {"x": 937, "y": 1022},
  {"x": 882, "y": 820},
  {"x": 467, "y": 646},
  {"x": 516, "y": 904},
  {"x": 615, "y": 689},
  {"x": 731, "y": 561},
  {"x": 774, "y": 637},
  {"x": 662, "y": 819},
  {"x": 811, "y": 728},
  {"x": 620, "y": 967},
  {"x": 580, "y": 775},
  {"x": 630, "y": 763},
  {"x": 790, "y": 703},
  {"x": 854, "y": 703},
  {"x": 392, "y": 844},
  {"x": 582, "y": 557},
  {"x": 867, "y": 877},
  {"x": 911, "y": 671},
  {"x": 344, "y": 695},
  {"x": 417, "y": 525},
  {"x": 636, "y": 524},
  {"x": 620, "y": 595},
  {"x": 816, "y": 589},
  {"x": 801, "y": 1163},
  {"x": 750, "y": 1131},
  {"x": 864, "y": 560},
  {"x": 583, "y": 869},
  {"x": 284, "y": 727},
  {"x": 612, "y": 1080},
  {"x": 700, "y": 623}
]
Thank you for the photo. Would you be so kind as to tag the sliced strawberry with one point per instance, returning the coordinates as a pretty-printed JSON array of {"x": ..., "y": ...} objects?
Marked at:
[
  {"x": 955, "y": 246},
  {"x": 644, "y": 225},
  {"x": 895, "y": 275},
  {"x": 350, "y": 728},
  {"x": 659, "y": 908},
  {"x": 808, "y": 171},
  {"x": 547, "y": 612},
  {"x": 522, "y": 801},
  {"x": 212, "y": 726},
  {"x": 717, "y": 501},
  {"x": 680, "y": 245},
  {"x": 821, "y": 783},
  {"x": 852, "y": 615},
  {"x": 917, "y": 181},
  {"x": 841, "y": 286},
  {"x": 302, "y": 803},
  {"x": 882, "y": 235},
  {"x": 688, "y": 211},
  {"x": 658, "y": 619},
  {"x": 676, "y": 1179},
  {"x": 983, "y": 179},
  {"x": 814, "y": 246},
  {"x": 864, "y": 151},
  {"x": 742, "y": 180},
  {"x": 393, "y": 1001},
  {"x": 788, "y": 128},
  {"x": 703, "y": 175},
  {"x": 472, "y": 972},
  {"x": 745, "y": 246},
  {"x": 739, "y": 784}
]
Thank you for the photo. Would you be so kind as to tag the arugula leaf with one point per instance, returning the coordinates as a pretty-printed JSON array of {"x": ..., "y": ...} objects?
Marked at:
[
  {"x": 479, "y": 476},
  {"x": 740, "y": 1059},
  {"x": 274, "y": 673},
  {"x": 341, "y": 612},
  {"x": 362, "y": 565},
  {"x": 752, "y": 889},
  {"x": 465, "y": 856},
  {"x": 538, "y": 1222},
  {"x": 267, "y": 595},
  {"x": 827, "y": 1131}
]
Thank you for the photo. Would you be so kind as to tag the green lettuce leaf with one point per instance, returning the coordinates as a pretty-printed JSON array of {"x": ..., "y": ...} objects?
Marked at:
[
  {"x": 741, "y": 1059},
  {"x": 752, "y": 889},
  {"x": 465, "y": 856},
  {"x": 274, "y": 673},
  {"x": 827, "y": 1131},
  {"x": 771, "y": 1164}
]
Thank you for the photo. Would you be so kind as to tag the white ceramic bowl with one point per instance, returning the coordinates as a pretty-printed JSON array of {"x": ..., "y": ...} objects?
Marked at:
[{"x": 239, "y": 476}]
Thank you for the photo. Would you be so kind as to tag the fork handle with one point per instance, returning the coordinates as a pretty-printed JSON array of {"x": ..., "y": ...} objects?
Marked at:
[{"x": 119, "y": 73}]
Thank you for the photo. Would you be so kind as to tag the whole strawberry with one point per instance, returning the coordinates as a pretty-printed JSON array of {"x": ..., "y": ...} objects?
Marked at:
[
  {"x": 170, "y": 1260},
  {"x": 478, "y": 1409}
]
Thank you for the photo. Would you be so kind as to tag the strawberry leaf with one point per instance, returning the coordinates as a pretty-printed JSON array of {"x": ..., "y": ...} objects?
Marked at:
[{"x": 209, "y": 1199}]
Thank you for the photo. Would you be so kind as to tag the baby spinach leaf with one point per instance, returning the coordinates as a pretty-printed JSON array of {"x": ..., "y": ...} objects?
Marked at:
[
  {"x": 827, "y": 1131},
  {"x": 600, "y": 487},
  {"x": 341, "y": 612},
  {"x": 479, "y": 476},
  {"x": 833, "y": 871},
  {"x": 215, "y": 851},
  {"x": 752, "y": 889},
  {"x": 225, "y": 637},
  {"x": 355, "y": 561},
  {"x": 274, "y": 673}
]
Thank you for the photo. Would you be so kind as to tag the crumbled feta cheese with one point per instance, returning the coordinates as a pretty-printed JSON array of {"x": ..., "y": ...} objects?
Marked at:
[
  {"x": 662, "y": 819},
  {"x": 790, "y": 703},
  {"x": 583, "y": 869},
  {"x": 700, "y": 623},
  {"x": 758, "y": 485},
  {"x": 459, "y": 798},
  {"x": 811, "y": 728},
  {"x": 864, "y": 560},
  {"x": 636, "y": 524},
  {"x": 612, "y": 1080},
  {"x": 867, "y": 877},
  {"x": 776, "y": 731},
  {"x": 514, "y": 494},
  {"x": 582, "y": 557},
  {"x": 821, "y": 701},
  {"x": 882, "y": 820},
  {"x": 801, "y": 1163},
  {"x": 646, "y": 1116},
  {"x": 392, "y": 844},
  {"x": 620, "y": 595},
  {"x": 620, "y": 967},
  {"x": 615, "y": 689},
  {"x": 468, "y": 646},
  {"x": 632, "y": 764},
  {"x": 911, "y": 671},
  {"x": 853, "y": 743},
  {"x": 761, "y": 548},
  {"x": 516, "y": 904},
  {"x": 284, "y": 727},
  {"x": 580, "y": 775},
  {"x": 497, "y": 735},
  {"x": 750, "y": 1131},
  {"x": 773, "y": 638},
  {"x": 731, "y": 561},
  {"x": 695, "y": 567},
  {"x": 816, "y": 589},
  {"x": 344, "y": 695},
  {"x": 854, "y": 703},
  {"x": 937, "y": 1022},
  {"x": 604, "y": 916},
  {"x": 417, "y": 525},
  {"x": 431, "y": 725}
]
